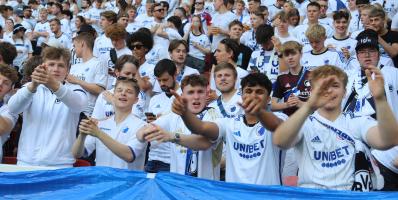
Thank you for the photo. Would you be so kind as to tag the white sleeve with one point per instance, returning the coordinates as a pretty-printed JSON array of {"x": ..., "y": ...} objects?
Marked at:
[
  {"x": 10, "y": 116},
  {"x": 305, "y": 128},
  {"x": 363, "y": 125},
  {"x": 164, "y": 122},
  {"x": 98, "y": 112},
  {"x": 21, "y": 100},
  {"x": 136, "y": 146},
  {"x": 173, "y": 35},
  {"x": 89, "y": 145},
  {"x": 75, "y": 99},
  {"x": 101, "y": 74}
]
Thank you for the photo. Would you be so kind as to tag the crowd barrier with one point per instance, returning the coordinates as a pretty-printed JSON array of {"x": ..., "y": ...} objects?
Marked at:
[{"x": 110, "y": 183}]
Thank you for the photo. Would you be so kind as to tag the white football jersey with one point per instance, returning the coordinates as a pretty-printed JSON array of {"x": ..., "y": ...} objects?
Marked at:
[
  {"x": 329, "y": 57},
  {"x": 250, "y": 155},
  {"x": 326, "y": 160},
  {"x": 124, "y": 133},
  {"x": 266, "y": 62},
  {"x": 338, "y": 44},
  {"x": 91, "y": 71},
  {"x": 299, "y": 33},
  {"x": 229, "y": 109}
]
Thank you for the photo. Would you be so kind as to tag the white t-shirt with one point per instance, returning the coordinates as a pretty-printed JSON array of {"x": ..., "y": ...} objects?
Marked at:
[
  {"x": 208, "y": 165},
  {"x": 133, "y": 27},
  {"x": 172, "y": 34},
  {"x": 4, "y": 112},
  {"x": 229, "y": 109},
  {"x": 92, "y": 71},
  {"x": 273, "y": 10},
  {"x": 95, "y": 14},
  {"x": 202, "y": 40},
  {"x": 266, "y": 62},
  {"x": 42, "y": 27},
  {"x": 325, "y": 159},
  {"x": 221, "y": 21},
  {"x": 24, "y": 48},
  {"x": 250, "y": 155},
  {"x": 65, "y": 40},
  {"x": 102, "y": 46},
  {"x": 329, "y": 57},
  {"x": 248, "y": 38},
  {"x": 347, "y": 43},
  {"x": 394, "y": 23},
  {"x": 124, "y": 133},
  {"x": 183, "y": 73},
  {"x": 355, "y": 22}
]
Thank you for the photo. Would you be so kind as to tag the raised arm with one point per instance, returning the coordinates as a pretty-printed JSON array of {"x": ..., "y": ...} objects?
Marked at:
[
  {"x": 195, "y": 125},
  {"x": 78, "y": 146},
  {"x": 385, "y": 134},
  {"x": 285, "y": 135}
]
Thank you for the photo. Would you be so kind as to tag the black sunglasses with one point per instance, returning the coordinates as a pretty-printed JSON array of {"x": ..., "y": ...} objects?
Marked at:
[
  {"x": 122, "y": 78},
  {"x": 137, "y": 46}
]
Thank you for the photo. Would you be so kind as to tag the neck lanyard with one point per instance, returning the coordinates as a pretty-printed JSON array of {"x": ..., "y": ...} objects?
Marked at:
[
  {"x": 341, "y": 134},
  {"x": 180, "y": 75},
  {"x": 297, "y": 84},
  {"x": 222, "y": 109}
]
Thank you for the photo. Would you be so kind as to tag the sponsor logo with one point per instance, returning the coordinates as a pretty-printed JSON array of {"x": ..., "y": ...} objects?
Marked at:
[
  {"x": 333, "y": 158},
  {"x": 316, "y": 139},
  {"x": 125, "y": 130},
  {"x": 249, "y": 151},
  {"x": 237, "y": 133}
]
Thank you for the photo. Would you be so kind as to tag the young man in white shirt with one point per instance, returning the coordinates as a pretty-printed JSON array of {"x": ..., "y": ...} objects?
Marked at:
[
  {"x": 117, "y": 34},
  {"x": 41, "y": 30},
  {"x": 103, "y": 44},
  {"x": 266, "y": 60},
  {"x": 95, "y": 16},
  {"x": 326, "y": 140},
  {"x": 190, "y": 154},
  {"x": 320, "y": 54},
  {"x": 249, "y": 37},
  {"x": 114, "y": 139},
  {"x": 313, "y": 11},
  {"x": 48, "y": 134},
  {"x": 91, "y": 74},
  {"x": 159, "y": 105},
  {"x": 226, "y": 104},
  {"x": 57, "y": 34},
  {"x": 8, "y": 77},
  {"x": 221, "y": 20},
  {"x": 250, "y": 155}
]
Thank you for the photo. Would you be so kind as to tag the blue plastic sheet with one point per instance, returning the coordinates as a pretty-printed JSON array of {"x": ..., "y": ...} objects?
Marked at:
[{"x": 110, "y": 183}]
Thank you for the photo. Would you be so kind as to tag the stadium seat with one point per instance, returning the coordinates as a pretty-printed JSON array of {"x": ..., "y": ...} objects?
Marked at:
[{"x": 81, "y": 163}]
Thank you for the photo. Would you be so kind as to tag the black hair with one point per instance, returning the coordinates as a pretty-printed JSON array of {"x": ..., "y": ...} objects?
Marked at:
[
  {"x": 140, "y": 36},
  {"x": 176, "y": 21},
  {"x": 257, "y": 79},
  {"x": 231, "y": 45},
  {"x": 264, "y": 33},
  {"x": 165, "y": 66}
]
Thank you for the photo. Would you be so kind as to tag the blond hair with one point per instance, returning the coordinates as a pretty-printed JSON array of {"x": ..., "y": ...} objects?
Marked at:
[
  {"x": 325, "y": 71},
  {"x": 315, "y": 32}
]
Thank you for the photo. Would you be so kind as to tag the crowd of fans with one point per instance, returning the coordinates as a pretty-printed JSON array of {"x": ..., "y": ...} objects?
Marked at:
[{"x": 243, "y": 91}]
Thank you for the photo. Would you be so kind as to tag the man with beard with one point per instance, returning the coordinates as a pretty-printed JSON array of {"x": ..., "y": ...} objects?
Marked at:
[{"x": 160, "y": 104}]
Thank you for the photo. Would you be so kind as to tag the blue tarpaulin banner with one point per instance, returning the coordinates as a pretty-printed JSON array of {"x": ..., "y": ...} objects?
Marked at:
[{"x": 110, "y": 183}]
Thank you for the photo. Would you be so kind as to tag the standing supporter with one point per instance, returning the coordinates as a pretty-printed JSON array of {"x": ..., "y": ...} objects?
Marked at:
[
  {"x": 283, "y": 28},
  {"x": 291, "y": 89},
  {"x": 387, "y": 39},
  {"x": 236, "y": 29},
  {"x": 143, "y": 18},
  {"x": 354, "y": 22},
  {"x": 133, "y": 25},
  {"x": 22, "y": 44},
  {"x": 358, "y": 100},
  {"x": 178, "y": 54},
  {"x": 227, "y": 51},
  {"x": 123, "y": 19},
  {"x": 4, "y": 14},
  {"x": 323, "y": 17},
  {"x": 190, "y": 154},
  {"x": 103, "y": 44},
  {"x": 220, "y": 22},
  {"x": 319, "y": 130},
  {"x": 126, "y": 67},
  {"x": 160, "y": 105},
  {"x": 341, "y": 41},
  {"x": 66, "y": 22},
  {"x": 41, "y": 30},
  {"x": 28, "y": 20},
  {"x": 364, "y": 11},
  {"x": 313, "y": 12},
  {"x": 140, "y": 8},
  {"x": 275, "y": 8},
  {"x": 185, "y": 26},
  {"x": 251, "y": 130},
  {"x": 95, "y": 15},
  {"x": 79, "y": 22},
  {"x": 266, "y": 60},
  {"x": 249, "y": 37},
  {"x": 240, "y": 10},
  {"x": 199, "y": 44},
  {"x": 117, "y": 34},
  {"x": 57, "y": 126},
  {"x": 55, "y": 10},
  {"x": 319, "y": 54},
  {"x": 57, "y": 34},
  {"x": 226, "y": 104},
  {"x": 114, "y": 139},
  {"x": 204, "y": 15},
  {"x": 293, "y": 18},
  {"x": 158, "y": 18},
  {"x": 85, "y": 10},
  {"x": 8, "y": 53},
  {"x": 91, "y": 74},
  {"x": 8, "y": 78},
  {"x": 8, "y": 29},
  {"x": 168, "y": 32}
]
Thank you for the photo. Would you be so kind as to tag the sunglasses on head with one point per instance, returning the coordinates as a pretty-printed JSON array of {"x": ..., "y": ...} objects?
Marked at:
[
  {"x": 122, "y": 78},
  {"x": 137, "y": 46}
]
